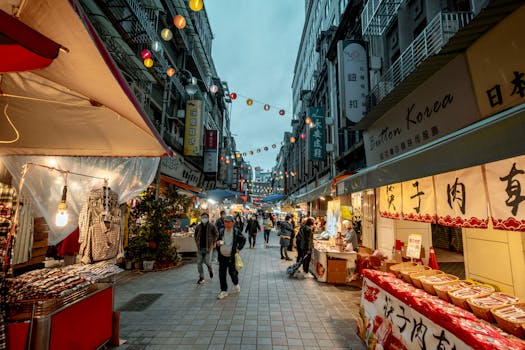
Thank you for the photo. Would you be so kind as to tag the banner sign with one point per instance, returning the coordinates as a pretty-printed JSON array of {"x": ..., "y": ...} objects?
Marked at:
[
  {"x": 390, "y": 201},
  {"x": 317, "y": 134},
  {"x": 210, "y": 140},
  {"x": 193, "y": 130},
  {"x": 211, "y": 155},
  {"x": 419, "y": 200}
]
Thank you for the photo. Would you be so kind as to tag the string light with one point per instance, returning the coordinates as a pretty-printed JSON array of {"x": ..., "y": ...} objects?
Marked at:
[
  {"x": 196, "y": 5},
  {"x": 179, "y": 22},
  {"x": 171, "y": 71},
  {"x": 148, "y": 62},
  {"x": 145, "y": 54},
  {"x": 166, "y": 34}
]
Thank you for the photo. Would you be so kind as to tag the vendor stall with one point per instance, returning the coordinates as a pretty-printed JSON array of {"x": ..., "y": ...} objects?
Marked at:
[{"x": 330, "y": 264}]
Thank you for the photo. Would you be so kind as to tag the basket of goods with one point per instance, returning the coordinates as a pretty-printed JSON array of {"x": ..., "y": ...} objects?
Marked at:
[
  {"x": 511, "y": 318},
  {"x": 396, "y": 269},
  {"x": 404, "y": 274},
  {"x": 443, "y": 288},
  {"x": 459, "y": 296},
  {"x": 429, "y": 282},
  {"x": 416, "y": 276},
  {"x": 481, "y": 305}
]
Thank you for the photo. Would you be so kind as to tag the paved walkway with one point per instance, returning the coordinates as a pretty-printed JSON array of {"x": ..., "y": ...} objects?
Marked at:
[{"x": 272, "y": 310}]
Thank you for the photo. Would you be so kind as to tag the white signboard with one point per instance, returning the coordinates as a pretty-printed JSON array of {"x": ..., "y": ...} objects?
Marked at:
[
  {"x": 441, "y": 105},
  {"x": 178, "y": 169},
  {"x": 414, "y": 246}
]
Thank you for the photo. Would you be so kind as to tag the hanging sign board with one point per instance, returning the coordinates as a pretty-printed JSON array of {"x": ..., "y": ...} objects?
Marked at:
[{"x": 414, "y": 246}]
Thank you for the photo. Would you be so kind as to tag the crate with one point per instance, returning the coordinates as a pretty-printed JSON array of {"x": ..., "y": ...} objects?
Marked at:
[
  {"x": 511, "y": 324},
  {"x": 459, "y": 296},
  {"x": 336, "y": 271},
  {"x": 415, "y": 277},
  {"x": 429, "y": 282},
  {"x": 443, "y": 289},
  {"x": 478, "y": 307}
]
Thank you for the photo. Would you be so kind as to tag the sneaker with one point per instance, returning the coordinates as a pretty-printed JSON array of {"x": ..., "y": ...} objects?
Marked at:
[
  {"x": 237, "y": 288},
  {"x": 222, "y": 295},
  {"x": 201, "y": 280},
  {"x": 210, "y": 270}
]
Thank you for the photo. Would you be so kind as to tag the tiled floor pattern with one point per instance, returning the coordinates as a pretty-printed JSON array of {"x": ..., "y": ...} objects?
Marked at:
[{"x": 272, "y": 311}]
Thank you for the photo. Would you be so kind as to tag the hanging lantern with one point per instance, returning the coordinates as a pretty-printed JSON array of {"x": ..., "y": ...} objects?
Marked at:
[
  {"x": 179, "y": 21},
  {"x": 238, "y": 155},
  {"x": 196, "y": 5},
  {"x": 148, "y": 62},
  {"x": 233, "y": 95},
  {"x": 251, "y": 153},
  {"x": 227, "y": 161},
  {"x": 292, "y": 139},
  {"x": 265, "y": 148},
  {"x": 166, "y": 34},
  {"x": 308, "y": 120},
  {"x": 266, "y": 107},
  {"x": 249, "y": 102},
  {"x": 156, "y": 46},
  {"x": 258, "y": 150},
  {"x": 170, "y": 71},
  {"x": 244, "y": 154},
  {"x": 303, "y": 136},
  {"x": 222, "y": 158},
  {"x": 145, "y": 54},
  {"x": 281, "y": 112},
  {"x": 274, "y": 145},
  {"x": 214, "y": 88}
]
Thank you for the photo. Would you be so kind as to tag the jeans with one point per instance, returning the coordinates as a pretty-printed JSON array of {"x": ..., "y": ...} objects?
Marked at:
[
  {"x": 203, "y": 256},
  {"x": 227, "y": 263},
  {"x": 267, "y": 236},
  {"x": 252, "y": 237}
]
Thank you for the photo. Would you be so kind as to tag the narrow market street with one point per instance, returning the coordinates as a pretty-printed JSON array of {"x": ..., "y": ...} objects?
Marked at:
[{"x": 272, "y": 310}]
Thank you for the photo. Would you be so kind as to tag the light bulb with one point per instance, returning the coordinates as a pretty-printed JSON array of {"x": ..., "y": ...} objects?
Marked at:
[{"x": 62, "y": 217}]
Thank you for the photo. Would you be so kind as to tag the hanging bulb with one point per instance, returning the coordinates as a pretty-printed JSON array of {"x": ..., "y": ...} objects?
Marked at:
[
  {"x": 196, "y": 5},
  {"x": 214, "y": 88},
  {"x": 308, "y": 120},
  {"x": 145, "y": 54},
  {"x": 266, "y": 107},
  {"x": 148, "y": 62},
  {"x": 166, "y": 34},
  {"x": 281, "y": 112},
  {"x": 292, "y": 139},
  {"x": 249, "y": 102},
  {"x": 233, "y": 95},
  {"x": 61, "y": 218},
  {"x": 179, "y": 21},
  {"x": 156, "y": 46}
]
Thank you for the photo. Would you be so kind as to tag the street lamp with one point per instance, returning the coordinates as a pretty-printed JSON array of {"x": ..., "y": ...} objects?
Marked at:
[{"x": 191, "y": 86}]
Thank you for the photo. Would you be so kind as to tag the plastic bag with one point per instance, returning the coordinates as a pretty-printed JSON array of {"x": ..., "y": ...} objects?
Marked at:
[{"x": 238, "y": 262}]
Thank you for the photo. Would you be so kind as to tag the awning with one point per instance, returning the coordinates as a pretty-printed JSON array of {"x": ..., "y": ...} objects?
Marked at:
[
  {"x": 273, "y": 198},
  {"x": 494, "y": 138},
  {"x": 319, "y": 191},
  {"x": 79, "y": 105},
  {"x": 179, "y": 184}
]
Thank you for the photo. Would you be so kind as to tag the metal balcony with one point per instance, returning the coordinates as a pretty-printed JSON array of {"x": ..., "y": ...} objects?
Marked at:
[
  {"x": 377, "y": 15},
  {"x": 437, "y": 33}
]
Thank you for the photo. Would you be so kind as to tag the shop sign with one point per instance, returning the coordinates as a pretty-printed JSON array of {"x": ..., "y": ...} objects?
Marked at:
[
  {"x": 333, "y": 216},
  {"x": 414, "y": 246},
  {"x": 506, "y": 190},
  {"x": 441, "y": 105},
  {"x": 390, "y": 201},
  {"x": 497, "y": 66},
  {"x": 211, "y": 158},
  {"x": 193, "y": 129},
  {"x": 178, "y": 169},
  {"x": 353, "y": 79},
  {"x": 419, "y": 200},
  {"x": 317, "y": 134},
  {"x": 461, "y": 198}
]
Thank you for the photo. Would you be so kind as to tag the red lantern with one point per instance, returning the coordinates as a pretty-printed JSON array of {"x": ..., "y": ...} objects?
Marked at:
[
  {"x": 233, "y": 95},
  {"x": 179, "y": 21},
  {"x": 145, "y": 54},
  {"x": 281, "y": 112}
]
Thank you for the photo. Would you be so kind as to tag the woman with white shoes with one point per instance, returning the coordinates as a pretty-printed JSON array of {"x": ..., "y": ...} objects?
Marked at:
[{"x": 229, "y": 242}]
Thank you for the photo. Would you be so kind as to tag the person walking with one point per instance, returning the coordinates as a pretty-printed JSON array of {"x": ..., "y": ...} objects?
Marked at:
[
  {"x": 267, "y": 226},
  {"x": 285, "y": 234},
  {"x": 230, "y": 241},
  {"x": 252, "y": 227},
  {"x": 220, "y": 225},
  {"x": 205, "y": 238},
  {"x": 239, "y": 224}
]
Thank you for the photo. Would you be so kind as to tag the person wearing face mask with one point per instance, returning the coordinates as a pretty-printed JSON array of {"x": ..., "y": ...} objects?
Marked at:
[{"x": 205, "y": 238}]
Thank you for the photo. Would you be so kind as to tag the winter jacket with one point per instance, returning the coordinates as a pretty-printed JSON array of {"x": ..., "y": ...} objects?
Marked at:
[
  {"x": 252, "y": 227},
  {"x": 305, "y": 237},
  {"x": 211, "y": 236}
]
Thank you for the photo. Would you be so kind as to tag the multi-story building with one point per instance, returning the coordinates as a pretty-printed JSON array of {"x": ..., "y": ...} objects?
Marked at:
[{"x": 182, "y": 70}]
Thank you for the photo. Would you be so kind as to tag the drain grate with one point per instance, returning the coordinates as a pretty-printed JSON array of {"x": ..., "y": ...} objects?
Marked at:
[{"x": 140, "y": 303}]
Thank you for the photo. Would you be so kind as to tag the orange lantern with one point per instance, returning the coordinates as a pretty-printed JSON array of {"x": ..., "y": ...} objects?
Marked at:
[
  {"x": 170, "y": 72},
  {"x": 179, "y": 21},
  {"x": 292, "y": 139},
  {"x": 308, "y": 120}
]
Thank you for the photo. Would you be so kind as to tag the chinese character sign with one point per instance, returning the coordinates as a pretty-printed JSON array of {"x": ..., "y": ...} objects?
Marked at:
[
  {"x": 317, "y": 134},
  {"x": 390, "y": 200},
  {"x": 461, "y": 198},
  {"x": 193, "y": 131},
  {"x": 419, "y": 200},
  {"x": 506, "y": 190}
]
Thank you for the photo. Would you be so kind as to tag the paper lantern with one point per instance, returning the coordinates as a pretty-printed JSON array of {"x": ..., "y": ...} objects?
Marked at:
[
  {"x": 244, "y": 154},
  {"x": 222, "y": 158},
  {"x": 281, "y": 112},
  {"x": 214, "y": 88},
  {"x": 308, "y": 120},
  {"x": 148, "y": 62},
  {"x": 233, "y": 95},
  {"x": 238, "y": 155},
  {"x": 274, "y": 145},
  {"x": 145, "y": 54},
  {"x": 251, "y": 153},
  {"x": 166, "y": 34},
  {"x": 156, "y": 46},
  {"x": 266, "y": 107},
  {"x": 258, "y": 150},
  {"x": 249, "y": 102},
  {"x": 170, "y": 72},
  {"x": 303, "y": 136},
  {"x": 227, "y": 161},
  {"x": 265, "y": 148},
  {"x": 196, "y": 5},
  {"x": 179, "y": 21},
  {"x": 292, "y": 139}
]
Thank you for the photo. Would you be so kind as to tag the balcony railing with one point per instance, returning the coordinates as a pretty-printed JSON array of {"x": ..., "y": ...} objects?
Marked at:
[
  {"x": 377, "y": 16},
  {"x": 438, "y": 32}
]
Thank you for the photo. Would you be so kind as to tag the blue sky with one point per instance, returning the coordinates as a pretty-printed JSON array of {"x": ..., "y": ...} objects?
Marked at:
[{"x": 254, "y": 49}]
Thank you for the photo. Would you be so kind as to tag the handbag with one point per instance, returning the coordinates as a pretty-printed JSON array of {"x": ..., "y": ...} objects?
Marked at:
[{"x": 238, "y": 262}]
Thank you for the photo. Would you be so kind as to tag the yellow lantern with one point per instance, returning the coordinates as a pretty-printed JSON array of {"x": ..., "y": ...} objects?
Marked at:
[
  {"x": 249, "y": 102},
  {"x": 148, "y": 62},
  {"x": 166, "y": 34},
  {"x": 196, "y": 5},
  {"x": 179, "y": 21}
]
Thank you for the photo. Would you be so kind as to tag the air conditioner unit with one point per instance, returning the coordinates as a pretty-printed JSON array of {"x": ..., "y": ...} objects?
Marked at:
[
  {"x": 329, "y": 147},
  {"x": 375, "y": 63}
]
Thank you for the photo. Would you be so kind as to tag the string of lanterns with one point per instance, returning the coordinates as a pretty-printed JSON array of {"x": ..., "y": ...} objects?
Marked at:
[{"x": 250, "y": 101}]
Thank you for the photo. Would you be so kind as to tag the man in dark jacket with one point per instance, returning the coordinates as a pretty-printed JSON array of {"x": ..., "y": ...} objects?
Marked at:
[
  {"x": 205, "y": 238},
  {"x": 230, "y": 242},
  {"x": 252, "y": 227}
]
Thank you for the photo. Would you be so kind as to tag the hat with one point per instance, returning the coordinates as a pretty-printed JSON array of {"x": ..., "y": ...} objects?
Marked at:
[
  {"x": 205, "y": 213},
  {"x": 228, "y": 218}
]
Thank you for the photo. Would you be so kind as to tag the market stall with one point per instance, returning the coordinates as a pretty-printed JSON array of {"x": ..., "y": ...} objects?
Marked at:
[{"x": 330, "y": 264}]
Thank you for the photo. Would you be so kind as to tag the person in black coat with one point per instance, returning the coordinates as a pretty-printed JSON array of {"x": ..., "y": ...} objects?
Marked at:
[
  {"x": 230, "y": 242},
  {"x": 252, "y": 227}
]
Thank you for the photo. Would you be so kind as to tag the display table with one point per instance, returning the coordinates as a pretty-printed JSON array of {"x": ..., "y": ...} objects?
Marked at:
[
  {"x": 332, "y": 266},
  {"x": 396, "y": 314},
  {"x": 184, "y": 244}
]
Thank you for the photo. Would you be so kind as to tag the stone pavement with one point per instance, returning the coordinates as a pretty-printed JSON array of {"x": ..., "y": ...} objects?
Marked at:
[{"x": 272, "y": 310}]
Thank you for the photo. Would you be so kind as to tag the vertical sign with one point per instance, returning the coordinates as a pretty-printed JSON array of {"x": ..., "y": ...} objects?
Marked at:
[
  {"x": 353, "y": 79},
  {"x": 317, "y": 137},
  {"x": 210, "y": 152},
  {"x": 193, "y": 131}
]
